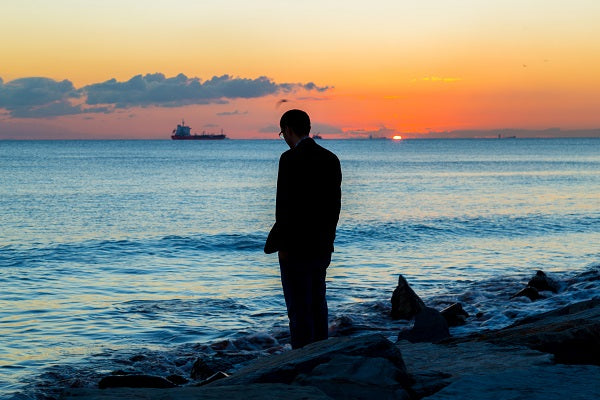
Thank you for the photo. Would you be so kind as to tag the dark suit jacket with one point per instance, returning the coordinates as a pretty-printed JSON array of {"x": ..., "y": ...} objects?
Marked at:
[{"x": 308, "y": 201}]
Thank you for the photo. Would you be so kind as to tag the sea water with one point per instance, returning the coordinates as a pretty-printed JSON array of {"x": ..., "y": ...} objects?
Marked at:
[{"x": 117, "y": 249}]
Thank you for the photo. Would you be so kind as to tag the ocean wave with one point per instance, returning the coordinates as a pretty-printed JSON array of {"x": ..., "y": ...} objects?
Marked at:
[
  {"x": 468, "y": 227},
  {"x": 99, "y": 251}
]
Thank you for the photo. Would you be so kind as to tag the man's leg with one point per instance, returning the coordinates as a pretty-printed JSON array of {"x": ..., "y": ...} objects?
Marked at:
[
  {"x": 296, "y": 283},
  {"x": 319, "y": 301}
]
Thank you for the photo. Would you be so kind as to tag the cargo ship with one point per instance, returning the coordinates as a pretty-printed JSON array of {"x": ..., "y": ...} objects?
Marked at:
[{"x": 182, "y": 132}]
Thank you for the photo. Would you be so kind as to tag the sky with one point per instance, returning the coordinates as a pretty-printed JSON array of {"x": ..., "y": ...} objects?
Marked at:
[{"x": 86, "y": 69}]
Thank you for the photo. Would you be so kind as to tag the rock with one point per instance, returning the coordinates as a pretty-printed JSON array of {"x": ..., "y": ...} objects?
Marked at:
[
  {"x": 544, "y": 283},
  {"x": 557, "y": 382},
  {"x": 134, "y": 381},
  {"x": 255, "y": 342},
  {"x": 212, "y": 378},
  {"x": 429, "y": 326},
  {"x": 405, "y": 302},
  {"x": 177, "y": 379},
  {"x": 341, "y": 326},
  {"x": 455, "y": 315},
  {"x": 355, "y": 377},
  {"x": 529, "y": 292},
  {"x": 205, "y": 368},
  {"x": 246, "y": 392},
  {"x": 435, "y": 366},
  {"x": 286, "y": 367},
  {"x": 571, "y": 333}
]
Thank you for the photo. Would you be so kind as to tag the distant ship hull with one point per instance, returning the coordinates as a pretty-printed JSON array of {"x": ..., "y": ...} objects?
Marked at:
[{"x": 198, "y": 137}]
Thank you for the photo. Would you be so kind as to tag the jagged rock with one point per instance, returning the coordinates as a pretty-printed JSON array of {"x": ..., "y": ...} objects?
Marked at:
[
  {"x": 355, "y": 377},
  {"x": 212, "y": 378},
  {"x": 177, "y": 379},
  {"x": 455, "y": 315},
  {"x": 341, "y": 326},
  {"x": 405, "y": 302},
  {"x": 205, "y": 368},
  {"x": 571, "y": 333},
  {"x": 285, "y": 367},
  {"x": 529, "y": 292},
  {"x": 429, "y": 326},
  {"x": 134, "y": 381},
  {"x": 543, "y": 282}
]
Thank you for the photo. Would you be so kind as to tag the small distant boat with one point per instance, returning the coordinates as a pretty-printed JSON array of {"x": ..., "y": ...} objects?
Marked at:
[
  {"x": 317, "y": 136},
  {"x": 506, "y": 137},
  {"x": 182, "y": 132}
]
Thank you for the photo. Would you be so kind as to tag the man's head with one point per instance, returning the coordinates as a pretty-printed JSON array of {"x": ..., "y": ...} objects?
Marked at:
[{"x": 294, "y": 124}]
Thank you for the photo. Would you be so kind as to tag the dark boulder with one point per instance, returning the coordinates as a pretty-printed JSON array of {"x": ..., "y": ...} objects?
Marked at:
[
  {"x": 530, "y": 292},
  {"x": 177, "y": 379},
  {"x": 429, "y": 326},
  {"x": 205, "y": 368},
  {"x": 571, "y": 333},
  {"x": 543, "y": 282},
  {"x": 135, "y": 381},
  {"x": 214, "y": 377},
  {"x": 405, "y": 302},
  {"x": 286, "y": 367},
  {"x": 455, "y": 315},
  {"x": 356, "y": 377},
  {"x": 341, "y": 326}
]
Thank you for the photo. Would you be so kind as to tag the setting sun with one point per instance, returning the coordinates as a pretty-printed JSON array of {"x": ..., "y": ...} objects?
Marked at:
[{"x": 397, "y": 137}]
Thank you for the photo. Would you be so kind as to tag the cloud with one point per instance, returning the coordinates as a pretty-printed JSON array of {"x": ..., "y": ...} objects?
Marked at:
[
  {"x": 32, "y": 97},
  {"x": 382, "y": 132},
  {"x": 43, "y": 97},
  {"x": 157, "y": 90},
  {"x": 231, "y": 113}
]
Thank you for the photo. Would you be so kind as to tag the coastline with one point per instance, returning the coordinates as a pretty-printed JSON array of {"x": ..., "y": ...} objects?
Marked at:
[{"x": 526, "y": 359}]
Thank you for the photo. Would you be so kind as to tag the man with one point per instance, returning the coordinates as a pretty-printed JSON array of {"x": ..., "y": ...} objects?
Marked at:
[{"x": 307, "y": 211}]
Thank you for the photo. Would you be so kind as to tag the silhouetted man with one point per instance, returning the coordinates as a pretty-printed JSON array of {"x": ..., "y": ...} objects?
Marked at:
[{"x": 307, "y": 211}]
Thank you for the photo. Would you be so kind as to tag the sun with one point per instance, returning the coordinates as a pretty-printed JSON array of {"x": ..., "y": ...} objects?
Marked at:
[{"x": 397, "y": 137}]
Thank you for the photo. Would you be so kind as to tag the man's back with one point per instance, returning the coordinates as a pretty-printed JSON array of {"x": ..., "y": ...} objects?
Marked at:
[{"x": 308, "y": 199}]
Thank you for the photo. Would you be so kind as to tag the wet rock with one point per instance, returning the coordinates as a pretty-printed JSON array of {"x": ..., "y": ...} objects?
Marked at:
[
  {"x": 455, "y": 315},
  {"x": 571, "y": 333},
  {"x": 177, "y": 379},
  {"x": 543, "y": 282},
  {"x": 134, "y": 381},
  {"x": 255, "y": 342},
  {"x": 430, "y": 326},
  {"x": 355, "y": 377},
  {"x": 214, "y": 377},
  {"x": 286, "y": 367},
  {"x": 405, "y": 302},
  {"x": 205, "y": 368},
  {"x": 530, "y": 292},
  {"x": 341, "y": 326}
]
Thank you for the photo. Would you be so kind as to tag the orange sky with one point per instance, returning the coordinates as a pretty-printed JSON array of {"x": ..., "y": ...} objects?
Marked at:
[{"x": 379, "y": 67}]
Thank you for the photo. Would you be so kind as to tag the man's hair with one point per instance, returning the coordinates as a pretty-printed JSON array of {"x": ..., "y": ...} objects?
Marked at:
[{"x": 297, "y": 120}]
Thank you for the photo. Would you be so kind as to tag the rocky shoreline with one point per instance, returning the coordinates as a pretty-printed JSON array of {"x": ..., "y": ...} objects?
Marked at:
[{"x": 553, "y": 355}]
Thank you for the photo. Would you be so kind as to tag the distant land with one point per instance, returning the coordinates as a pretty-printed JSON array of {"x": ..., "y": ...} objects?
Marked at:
[{"x": 505, "y": 133}]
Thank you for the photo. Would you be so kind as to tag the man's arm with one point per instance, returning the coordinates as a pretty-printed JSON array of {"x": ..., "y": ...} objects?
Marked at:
[{"x": 282, "y": 205}]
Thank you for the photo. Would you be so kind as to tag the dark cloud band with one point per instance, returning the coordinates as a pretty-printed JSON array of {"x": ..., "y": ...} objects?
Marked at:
[{"x": 43, "y": 97}]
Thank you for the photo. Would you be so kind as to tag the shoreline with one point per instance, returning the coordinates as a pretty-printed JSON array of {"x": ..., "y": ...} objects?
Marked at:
[{"x": 454, "y": 367}]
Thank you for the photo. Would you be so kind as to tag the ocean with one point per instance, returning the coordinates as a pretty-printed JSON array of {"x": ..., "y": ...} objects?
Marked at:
[{"x": 139, "y": 255}]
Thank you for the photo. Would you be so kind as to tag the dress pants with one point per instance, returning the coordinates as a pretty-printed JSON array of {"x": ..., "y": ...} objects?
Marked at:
[{"x": 303, "y": 282}]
